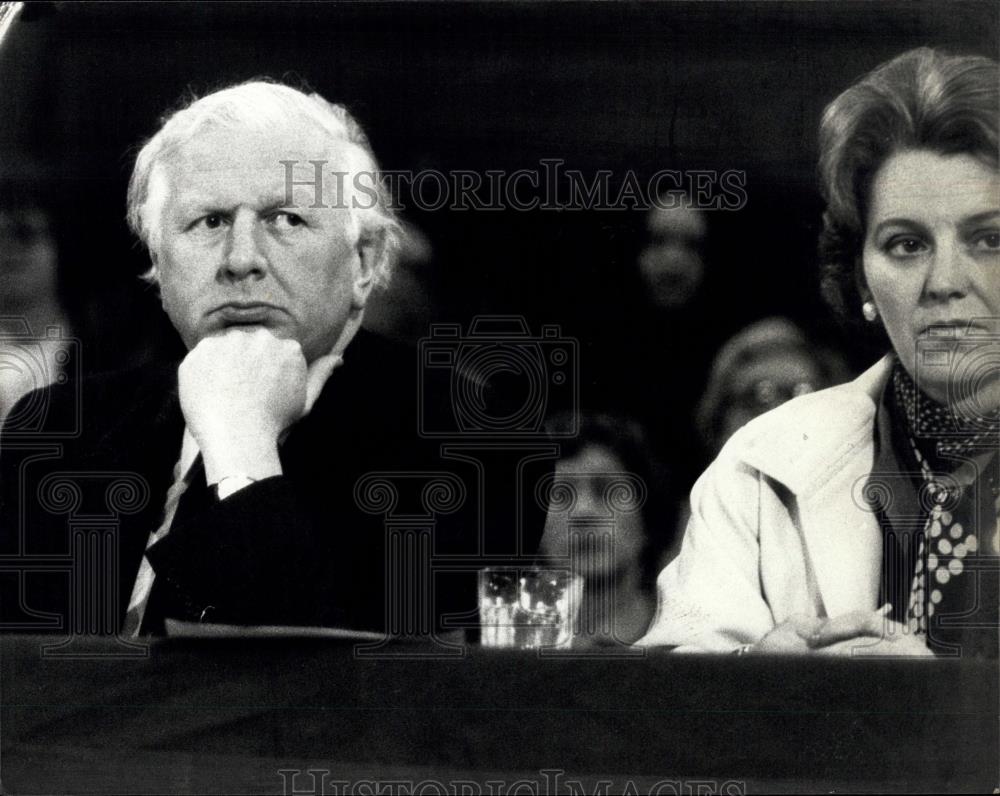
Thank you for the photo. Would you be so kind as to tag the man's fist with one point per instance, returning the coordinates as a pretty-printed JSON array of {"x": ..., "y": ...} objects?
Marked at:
[{"x": 239, "y": 391}]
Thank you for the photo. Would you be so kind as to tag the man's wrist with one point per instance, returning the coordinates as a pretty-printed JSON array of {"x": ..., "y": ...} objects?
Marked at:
[
  {"x": 231, "y": 484},
  {"x": 257, "y": 460}
]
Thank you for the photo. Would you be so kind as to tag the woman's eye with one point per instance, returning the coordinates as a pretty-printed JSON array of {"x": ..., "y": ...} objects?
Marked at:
[
  {"x": 987, "y": 241},
  {"x": 905, "y": 246}
]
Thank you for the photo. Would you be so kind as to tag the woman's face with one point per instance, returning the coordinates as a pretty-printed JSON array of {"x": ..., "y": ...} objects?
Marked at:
[
  {"x": 28, "y": 259},
  {"x": 588, "y": 475},
  {"x": 762, "y": 384},
  {"x": 671, "y": 263},
  {"x": 932, "y": 263}
]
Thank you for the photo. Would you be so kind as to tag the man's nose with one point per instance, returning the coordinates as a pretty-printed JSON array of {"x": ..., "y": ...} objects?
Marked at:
[
  {"x": 949, "y": 273},
  {"x": 245, "y": 255}
]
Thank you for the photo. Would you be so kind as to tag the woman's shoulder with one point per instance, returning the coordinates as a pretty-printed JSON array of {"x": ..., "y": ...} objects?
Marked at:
[{"x": 795, "y": 439}]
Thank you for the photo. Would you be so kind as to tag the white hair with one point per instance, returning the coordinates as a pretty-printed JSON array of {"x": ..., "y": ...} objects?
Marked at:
[{"x": 262, "y": 106}]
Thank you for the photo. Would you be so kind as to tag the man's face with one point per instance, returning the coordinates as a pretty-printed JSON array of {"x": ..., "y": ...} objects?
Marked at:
[{"x": 233, "y": 253}]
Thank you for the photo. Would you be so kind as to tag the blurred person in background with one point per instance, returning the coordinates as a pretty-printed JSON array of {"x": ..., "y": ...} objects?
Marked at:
[
  {"x": 63, "y": 312},
  {"x": 30, "y": 297},
  {"x": 764, "y": 365},
  {"x": 616, "y": 533},
  {"x": 863, "y": 519},
  {"x": 671, "y": 262},
  {"x": 649, "y": 358}
]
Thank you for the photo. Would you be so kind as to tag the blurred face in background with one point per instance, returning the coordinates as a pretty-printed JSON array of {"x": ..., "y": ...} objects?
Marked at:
[
  {"x": 28, "y": 258},
  {"x": 763, "y": 383},
  {"x": 589, "y": 474},
  {"x": 671, "y": 263}
]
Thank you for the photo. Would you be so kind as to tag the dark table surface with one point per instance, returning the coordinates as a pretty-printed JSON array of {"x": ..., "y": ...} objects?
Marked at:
[{"x": 234, "y": 715}]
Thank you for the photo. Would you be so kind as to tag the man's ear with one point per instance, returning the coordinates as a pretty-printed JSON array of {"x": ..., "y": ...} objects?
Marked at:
[
  {"x": 152, "y": 276},
  {"x": 371, "y": 252}
]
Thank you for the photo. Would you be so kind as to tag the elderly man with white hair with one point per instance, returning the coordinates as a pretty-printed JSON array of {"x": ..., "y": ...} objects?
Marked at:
[{"x": 267, "y": 229}]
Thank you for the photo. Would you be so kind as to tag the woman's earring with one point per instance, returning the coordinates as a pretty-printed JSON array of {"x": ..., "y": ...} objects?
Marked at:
[{"x": 870, "y": 311}]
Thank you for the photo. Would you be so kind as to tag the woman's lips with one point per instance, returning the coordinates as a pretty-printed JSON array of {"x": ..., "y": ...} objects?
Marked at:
[{"x": 954, "y": 328}]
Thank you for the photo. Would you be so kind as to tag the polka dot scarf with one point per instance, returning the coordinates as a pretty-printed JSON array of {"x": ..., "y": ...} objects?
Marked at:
[{"x": 952, "y": 577}]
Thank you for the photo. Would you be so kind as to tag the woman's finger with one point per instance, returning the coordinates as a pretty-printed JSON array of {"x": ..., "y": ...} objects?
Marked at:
[{"x": 851, "y": 625}]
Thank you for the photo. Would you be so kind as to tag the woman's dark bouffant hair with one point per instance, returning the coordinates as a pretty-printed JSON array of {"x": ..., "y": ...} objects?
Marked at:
[
  {"x": 922, "y": 99},
  {"x": 627, "y": 440}
]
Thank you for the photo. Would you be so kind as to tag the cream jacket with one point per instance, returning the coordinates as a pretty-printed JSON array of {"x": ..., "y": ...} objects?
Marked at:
[{"x": 779, "y": 525}]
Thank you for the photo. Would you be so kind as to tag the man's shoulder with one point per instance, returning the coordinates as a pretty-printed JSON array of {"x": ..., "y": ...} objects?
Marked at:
[
  {"x": 416, "y": 393},
  {"x": 377, "y": 360},
  {"x": 379, "y": 377}
]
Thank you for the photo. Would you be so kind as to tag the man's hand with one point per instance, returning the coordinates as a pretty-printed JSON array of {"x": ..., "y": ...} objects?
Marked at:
[{"x": 238, "y": 392}]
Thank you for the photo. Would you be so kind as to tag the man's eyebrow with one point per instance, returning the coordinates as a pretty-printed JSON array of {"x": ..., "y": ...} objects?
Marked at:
[{"x": 296, "y": 198}]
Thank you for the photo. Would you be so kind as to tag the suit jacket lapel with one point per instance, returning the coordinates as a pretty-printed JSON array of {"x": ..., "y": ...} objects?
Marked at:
[{"x": 145, "y": 441}]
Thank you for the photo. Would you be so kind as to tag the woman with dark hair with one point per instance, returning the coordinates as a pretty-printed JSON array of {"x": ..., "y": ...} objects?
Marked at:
[
  {"x": 31, "y": 301},
  {"x": 863, "y": 518},
  {"x": 63, "y": 312},
  {"x": 610, "y": 519}
]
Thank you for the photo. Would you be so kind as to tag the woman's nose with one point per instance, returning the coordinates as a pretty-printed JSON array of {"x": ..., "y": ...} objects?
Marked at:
[{"x": 949, "y": 272}]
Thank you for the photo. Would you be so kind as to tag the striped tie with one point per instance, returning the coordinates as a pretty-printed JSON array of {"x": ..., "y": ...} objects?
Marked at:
[{"x": 144, "y": 580}]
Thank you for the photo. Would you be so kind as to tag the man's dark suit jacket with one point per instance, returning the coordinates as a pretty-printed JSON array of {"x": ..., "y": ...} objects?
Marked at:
[{"x": 304, "y": 548}]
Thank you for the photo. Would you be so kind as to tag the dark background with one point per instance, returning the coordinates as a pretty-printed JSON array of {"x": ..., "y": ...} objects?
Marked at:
[{"x": 489, "y": 86}]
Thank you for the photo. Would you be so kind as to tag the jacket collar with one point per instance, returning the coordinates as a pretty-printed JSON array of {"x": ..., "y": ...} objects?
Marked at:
[
  {"x": 821, "y": 448},
  {"x": 806, "y": 441}
]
